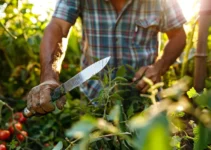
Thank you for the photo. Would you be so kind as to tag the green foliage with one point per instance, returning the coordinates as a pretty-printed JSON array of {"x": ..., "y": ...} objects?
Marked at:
[
  {"x": 201, "y": 137},
  {"x": 82, "y": 128},
  {"x": 1, "y": 105},
  {"x": 203, "y": 100},
  {"x": 21, "y": 32},
  {"x": 192, "y": 93},
  {"x": 150, "y": 132}
]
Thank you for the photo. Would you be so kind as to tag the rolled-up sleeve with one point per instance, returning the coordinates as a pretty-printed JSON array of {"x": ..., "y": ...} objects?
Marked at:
[
  {"x": 172, "y": 16},
  {"x": 67, "y": 10}
]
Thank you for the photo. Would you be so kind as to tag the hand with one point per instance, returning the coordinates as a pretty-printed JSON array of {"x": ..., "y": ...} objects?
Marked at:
[
  {"x": 152, "y": 72},
  {"x": 39, "y": 99}
]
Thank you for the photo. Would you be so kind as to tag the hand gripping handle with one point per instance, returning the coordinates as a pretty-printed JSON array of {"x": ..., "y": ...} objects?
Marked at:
[{"x": 56, "y": 94}]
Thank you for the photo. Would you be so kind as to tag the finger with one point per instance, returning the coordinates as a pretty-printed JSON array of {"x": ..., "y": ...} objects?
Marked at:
[
  {"x": 29, "y": 103},
  {"x": 150, "y": 72},
  {"x": 34, "y": 96},
  {"x": 39, "y": 109},
  {"x": 140, "y": 73},
  {"x": 36, "y": 103},
  {"x": 61, "y": 102},
  {"x": 140, "y": 85},
  {"x": 155, "y": 79},
  {"x": 29, "y": 99},
  {"x": 45, "y": 99},
  {"x": 145, "y": 89}
]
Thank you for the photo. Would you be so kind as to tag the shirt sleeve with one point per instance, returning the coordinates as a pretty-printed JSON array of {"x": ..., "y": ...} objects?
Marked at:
[
  {"x": 172, "y": 16},
  {"x": 67, "y": 10},
  {"x": 205, "y": 7}
]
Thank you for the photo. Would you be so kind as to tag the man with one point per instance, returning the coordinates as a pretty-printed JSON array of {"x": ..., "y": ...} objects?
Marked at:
[
  {"x": 126, "y": 30},
  {"x": 201, "y": 52}
]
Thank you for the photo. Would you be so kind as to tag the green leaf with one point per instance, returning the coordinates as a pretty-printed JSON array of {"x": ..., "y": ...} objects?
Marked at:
[
  {"x": 1, "y": 105},
  {"x": 129, "y": 67},
  {"x": 130, "y": 111},
  {"x": 150, "y": 132},
  {"x": 120, "y": 79},
  {"x": 175, "y": 142},
  {"x": 192, "y": 93},
  {"x": 116, "y": 96},
  {"x": 208, "y": 83},
  {"x": 105, "y": 79},
  {"x": 114, "y": 114},
  {"x": 95, "y": 78},
  {"x": 82, "y": 128},
  {"x": 13, "y": 144},
  {"x": 204, "y": 100},
  {"x": 121, "y": 71},
  {"x": 157, "y": 134},
  {"x": 58, "y": 146},
  {"x": 82, "y": 145},
  {"x": 201, "y": 137}
]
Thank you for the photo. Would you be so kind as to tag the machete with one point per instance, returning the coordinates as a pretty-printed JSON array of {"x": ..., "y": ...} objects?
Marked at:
[{"x": 74, "y": 82}]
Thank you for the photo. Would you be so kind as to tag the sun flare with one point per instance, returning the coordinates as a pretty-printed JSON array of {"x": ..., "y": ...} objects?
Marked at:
[
  {"x": 42, "y": 8},
  {"x": 189, "y": 8}
]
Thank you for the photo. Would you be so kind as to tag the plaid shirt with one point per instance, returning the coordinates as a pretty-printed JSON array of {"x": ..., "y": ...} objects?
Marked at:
[{"x": 129, "y": 37}]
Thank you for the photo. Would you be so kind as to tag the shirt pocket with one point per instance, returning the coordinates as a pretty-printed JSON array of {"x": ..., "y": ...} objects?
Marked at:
[
  {"x": 145, "y": 41},
  {"x": 146, "y": 30}
]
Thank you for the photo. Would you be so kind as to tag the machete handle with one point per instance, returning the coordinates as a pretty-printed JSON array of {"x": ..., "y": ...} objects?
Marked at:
[
  {"x": 55, "y": 94},
  {"x": 58, "y": 92}
]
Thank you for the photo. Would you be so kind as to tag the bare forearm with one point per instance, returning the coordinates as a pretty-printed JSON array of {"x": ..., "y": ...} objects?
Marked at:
[
  {"x": 52, "y": 52},
  {"x": 172, "y": 50}
]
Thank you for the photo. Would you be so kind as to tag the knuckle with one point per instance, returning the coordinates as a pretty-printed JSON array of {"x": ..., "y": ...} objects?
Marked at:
[{"x": 43, "y": 103}]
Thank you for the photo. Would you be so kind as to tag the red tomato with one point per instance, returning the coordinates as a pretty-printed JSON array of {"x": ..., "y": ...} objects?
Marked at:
[
  {"x": 46, "y": 144},
  {"x": 65, "y": 66},
  {"x": 4, "y": 143},
  {"x": 11, "y": 129},
  {"x": 20, "y": 137},
  {"x": 17, "y": 115},
  {"x": 22, "y": 119},
  {"x": 18, "y": 126},
  {"x": 3, "y": 147},
  {"x": 4, "y": 134}
]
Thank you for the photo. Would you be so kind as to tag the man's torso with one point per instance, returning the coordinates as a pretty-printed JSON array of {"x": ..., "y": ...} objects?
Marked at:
[{"x": 127, "y": 33}]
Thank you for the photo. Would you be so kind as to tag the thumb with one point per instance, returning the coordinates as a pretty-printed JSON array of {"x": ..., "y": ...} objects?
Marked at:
[
  {"x": 61, "y": 102},
  {"x": 140, "y": 73}
]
